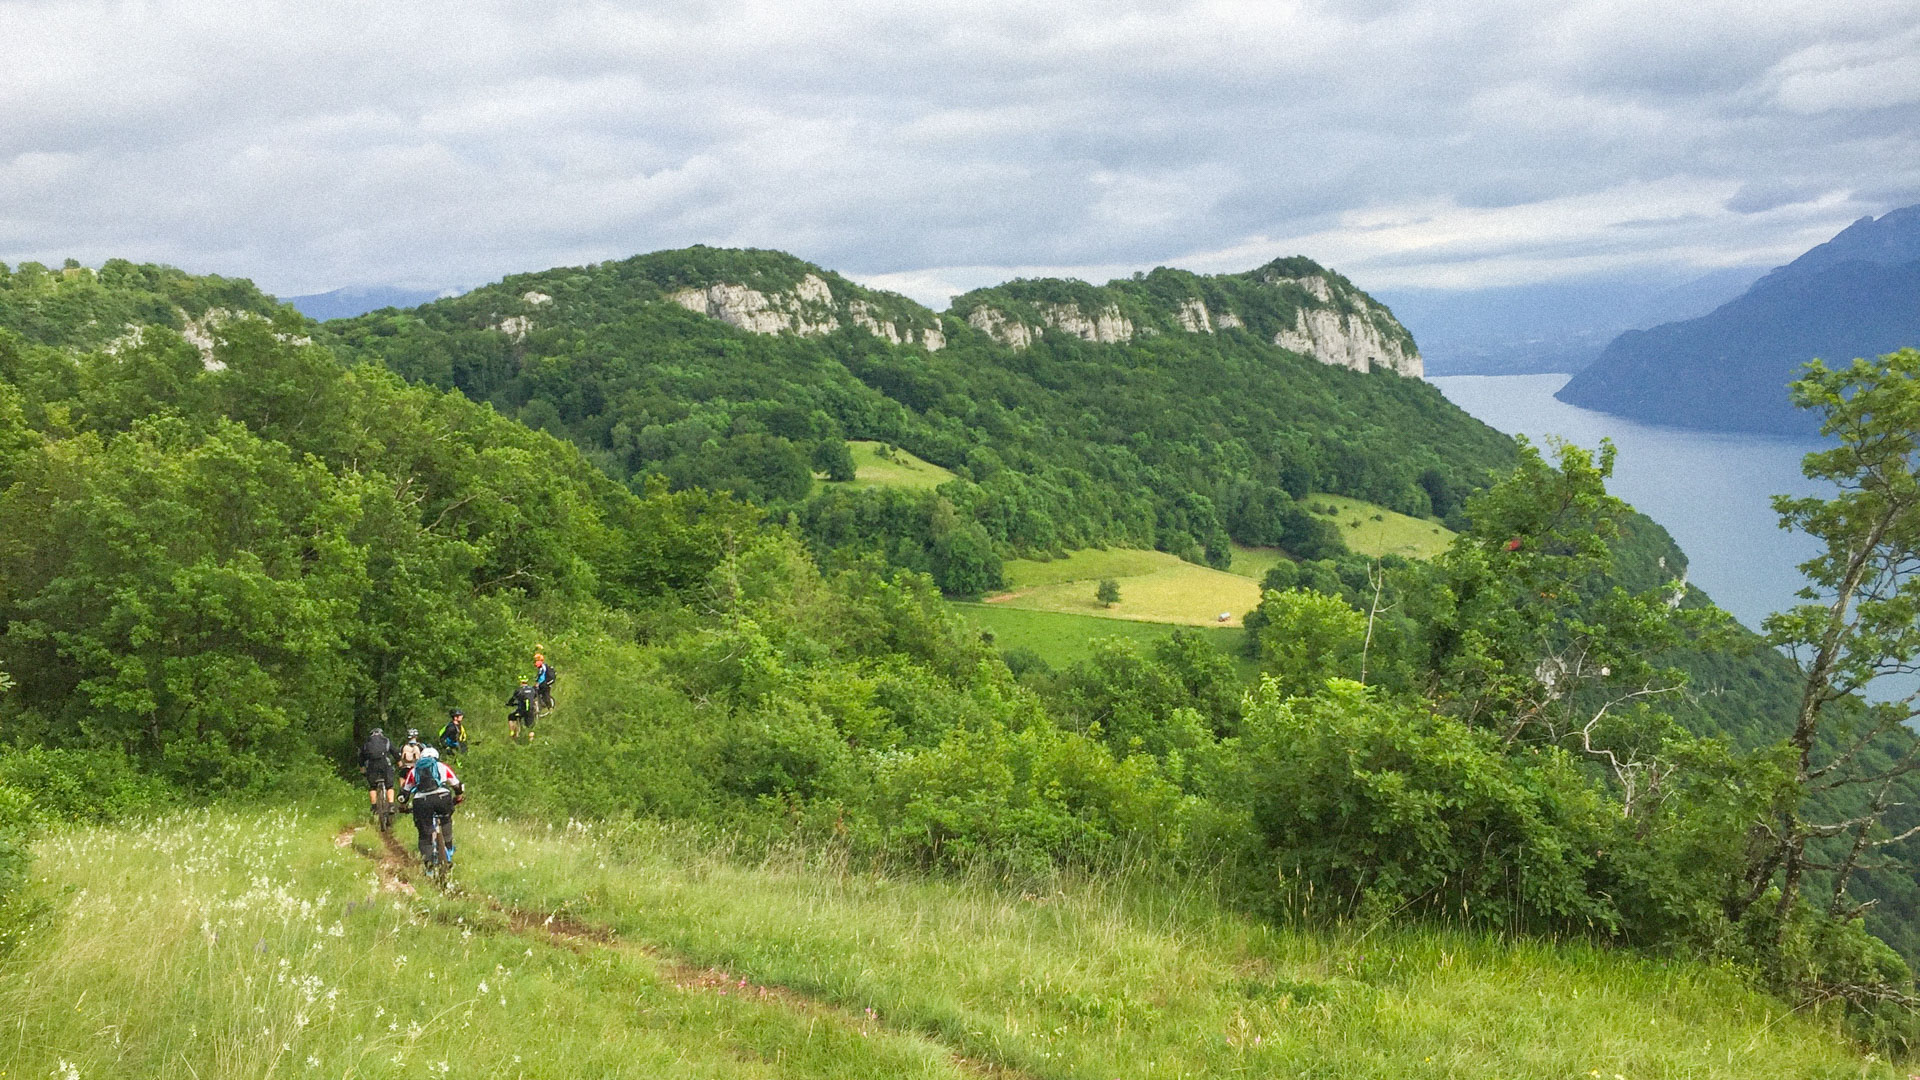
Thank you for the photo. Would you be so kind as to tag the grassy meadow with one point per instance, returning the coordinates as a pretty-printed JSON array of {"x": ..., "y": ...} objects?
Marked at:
[
  {"x": 897, "y": 469},
  {"x": 1062, "y": 639},
  {"x": 226, "y": 944},
  {"x": 1154, "y": 587},
  {"x": 1375, "y": 530}
]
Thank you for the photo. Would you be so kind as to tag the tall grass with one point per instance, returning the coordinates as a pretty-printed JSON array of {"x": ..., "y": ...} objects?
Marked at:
[
  {"x": 229, "y": 944},
  {"x": 1113, "y": 977},
  {"x": 234, "y": 944}
]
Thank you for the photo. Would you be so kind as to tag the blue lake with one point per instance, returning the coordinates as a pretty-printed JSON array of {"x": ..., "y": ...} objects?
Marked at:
[{"x": 1710, "y": 489}]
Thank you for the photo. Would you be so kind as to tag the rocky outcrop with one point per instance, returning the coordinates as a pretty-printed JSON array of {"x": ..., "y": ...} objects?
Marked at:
[
  {"x": 1194, "y": 317},
  {"x": 1350, "y": 340},
  {"x": 758, "y": 313},
  {"x": 809, "y": 309},
  {"x": 995, "y": 324},
  {"x": 1105, "y": 325},
  {"x": 1293, "y": 302}
]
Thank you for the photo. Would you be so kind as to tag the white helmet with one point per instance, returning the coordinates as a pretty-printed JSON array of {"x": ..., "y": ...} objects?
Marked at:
[{"x": 430, "y": 752}]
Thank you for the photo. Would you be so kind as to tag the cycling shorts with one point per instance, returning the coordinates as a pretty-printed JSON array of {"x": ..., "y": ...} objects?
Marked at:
[{"x": 379, "y": 772}]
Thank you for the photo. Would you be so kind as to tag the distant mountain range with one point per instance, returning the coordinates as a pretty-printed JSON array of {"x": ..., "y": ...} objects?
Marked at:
[
  {"x": 1552, "y": 327},
  {"x": 1855, "y": 295},
  {"x": 346, "y": 303}
]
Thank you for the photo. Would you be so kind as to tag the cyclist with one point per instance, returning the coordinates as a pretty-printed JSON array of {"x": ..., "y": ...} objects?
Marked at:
[
  {"x": 433, "y": 790},
  {"x": 453, "y": 737},
  {"x": 520, "y": 704},
  {"x": 542, "y": 683},
  {"x": 376, "y": 760},
  {"x": 410, "y": 750}
]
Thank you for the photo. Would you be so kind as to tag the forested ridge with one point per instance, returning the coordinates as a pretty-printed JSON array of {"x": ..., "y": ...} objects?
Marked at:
[
  {"x": 228, "y": 549},
  {"x": 1172, "y": 440}
]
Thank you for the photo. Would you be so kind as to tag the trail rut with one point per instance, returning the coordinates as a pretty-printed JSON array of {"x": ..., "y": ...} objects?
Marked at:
[{"x": 394, "y": 864}]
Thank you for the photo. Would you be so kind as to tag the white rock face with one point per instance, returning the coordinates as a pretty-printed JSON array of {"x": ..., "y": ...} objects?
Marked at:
[
  {"x": 933, "y": 340},
  {"x": 536, "y": 298},
  {"x": 1105, "y": 326},
  {"x": 863, "y": 315},
  {"x": 1351, "y": 341},
  {"x": 515, "y": 326},
  {"x": 814, "y": 290},
  {"x": 757, "y": 313},
  {"x": 995, "y": 324},
  {"x": 1228, "y": 321},
  {"x": 1194, "y": 317}
]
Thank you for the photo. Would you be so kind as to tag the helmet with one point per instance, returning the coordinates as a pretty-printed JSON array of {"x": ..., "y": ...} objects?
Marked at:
[
  {"x": 430, "y": 752},
  {"x": 456, "y": 714},
  {"x": 413, "y": 733},
  {"x": 523, "y": 678},
  {"x": 376, "y": 731}
]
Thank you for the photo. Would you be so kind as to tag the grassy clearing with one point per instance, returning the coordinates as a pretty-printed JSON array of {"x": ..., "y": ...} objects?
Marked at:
[
  {"x": 1254, "y": 562},
  {"x": 898, "y": 469},
  {"x": 1104, "y": 977},
  {"x": 1154, "y": 587},
  {"x": 1375, "y": 530},
  {"x": 1062, "y": 639},
  {"x": 231, "y": 945},
  {"x": 237, "y": 945}
]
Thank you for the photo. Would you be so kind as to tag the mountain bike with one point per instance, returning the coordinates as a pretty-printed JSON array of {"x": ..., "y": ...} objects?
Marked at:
[
  {"x": 383, "y": 806},
  {"x": 438, "y": 856}
]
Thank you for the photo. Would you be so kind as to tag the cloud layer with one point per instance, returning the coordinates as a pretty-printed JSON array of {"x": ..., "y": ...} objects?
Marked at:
[{"x": 932, "y": 146}]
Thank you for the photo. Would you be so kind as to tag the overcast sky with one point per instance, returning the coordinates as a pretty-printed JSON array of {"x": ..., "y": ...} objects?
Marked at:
[{"x": 933, "y": 146}]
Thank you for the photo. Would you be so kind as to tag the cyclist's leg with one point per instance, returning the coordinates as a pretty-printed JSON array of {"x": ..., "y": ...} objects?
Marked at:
[{"x": 423, "y": 813}]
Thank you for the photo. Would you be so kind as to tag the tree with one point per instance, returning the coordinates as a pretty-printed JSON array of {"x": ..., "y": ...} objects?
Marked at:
[
  {"x": 1108, "y": 593},
  {"x": 1862, "y": 623},
  {"x": 1307, "y": 638}
]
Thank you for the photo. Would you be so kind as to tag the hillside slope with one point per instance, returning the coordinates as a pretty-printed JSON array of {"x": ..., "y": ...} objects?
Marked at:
[
  {"x": 1156, "y": 412},
  {"x": 244, "y": 944},
  {"x": 1856, "y": 295}
]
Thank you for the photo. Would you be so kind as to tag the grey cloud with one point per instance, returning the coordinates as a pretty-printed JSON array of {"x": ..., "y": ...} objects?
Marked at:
[{"x": 320, "y": 145}]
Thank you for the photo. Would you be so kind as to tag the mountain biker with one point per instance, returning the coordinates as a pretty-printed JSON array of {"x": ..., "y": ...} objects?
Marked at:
[
  {"x": 410, "y": 750},
  {"x": 376, "y": 760},
  {"x": 433, "y": 790},
  {"x": 453, "y": 737},
  {"x": 542, "y": 683},
  {"x": 520, "y": 702}
]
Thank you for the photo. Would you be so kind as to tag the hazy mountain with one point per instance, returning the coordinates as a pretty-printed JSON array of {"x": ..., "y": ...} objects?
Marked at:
[
  {"x": 346, "y": 303},
  {"x": 1554, "y": 327},
  {"x": 1855, "y": 295}
]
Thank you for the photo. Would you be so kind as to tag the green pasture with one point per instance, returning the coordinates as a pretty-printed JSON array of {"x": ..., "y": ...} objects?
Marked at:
[
  {"x": 1062, "y": 639},
  {"x": 875, "y": 466},
  {"x": 1375, "y": 530},
  {"x": 1154, "y": 587}
]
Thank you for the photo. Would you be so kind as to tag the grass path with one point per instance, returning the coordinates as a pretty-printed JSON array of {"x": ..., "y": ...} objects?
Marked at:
[
  {"x": 561, "y": 929},
  {"x": 229, "y": 943}
]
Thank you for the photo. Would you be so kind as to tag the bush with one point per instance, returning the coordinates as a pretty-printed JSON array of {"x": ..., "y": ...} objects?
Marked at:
[
  {"x": 17, "y": 829},
  {"x": 83, "y": 786},
  {"x": 1385, "y": 807}
]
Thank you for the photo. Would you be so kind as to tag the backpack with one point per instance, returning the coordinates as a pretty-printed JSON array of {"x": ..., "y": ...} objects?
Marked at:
[
  {"x": 426, "y": 780},
  {"x": 376, "y": 748},
  {"x": 550, "y": 674}
]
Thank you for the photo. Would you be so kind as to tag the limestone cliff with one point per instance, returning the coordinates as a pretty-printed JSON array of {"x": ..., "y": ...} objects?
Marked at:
[{"x": 1292, "y": 303}]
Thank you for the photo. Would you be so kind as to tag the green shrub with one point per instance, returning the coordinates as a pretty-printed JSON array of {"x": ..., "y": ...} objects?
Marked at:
[
  {"x": 17, "y": 829},
  {"x": 1383, "y": 807},
  {"x": 83, "y": 786}
]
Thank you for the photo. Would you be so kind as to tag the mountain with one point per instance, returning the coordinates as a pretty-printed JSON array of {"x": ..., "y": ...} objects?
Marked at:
[
  {"x": 1855, "y": 295},
  {"x": 1551, "y": 327},
  {"x": 346, "y": 303},
  {"x": 1169, "y": 410}
]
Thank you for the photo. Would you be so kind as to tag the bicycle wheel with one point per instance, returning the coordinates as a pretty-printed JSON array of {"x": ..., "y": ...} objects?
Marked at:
[{"x": 384, "y": 810}]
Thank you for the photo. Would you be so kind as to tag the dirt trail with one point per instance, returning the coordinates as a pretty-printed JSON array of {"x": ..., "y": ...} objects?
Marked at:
[{"x": 394, "y": 864}]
